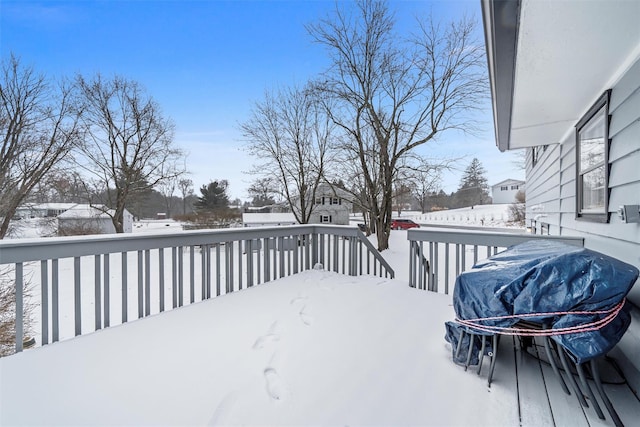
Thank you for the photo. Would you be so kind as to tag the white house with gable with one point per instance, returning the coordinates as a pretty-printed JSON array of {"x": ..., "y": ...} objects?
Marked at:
[
  {"x": 565, "y": 84},
  {"x": 505, "y": 191},
  {"x": 332, "y": 205}
]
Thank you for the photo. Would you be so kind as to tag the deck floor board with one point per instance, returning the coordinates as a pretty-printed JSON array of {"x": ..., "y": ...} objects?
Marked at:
[{"x": 540, "y": 396}]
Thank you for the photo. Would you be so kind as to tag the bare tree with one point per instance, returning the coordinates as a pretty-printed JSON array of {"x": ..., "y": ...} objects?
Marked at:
[
  {"x": 167, "y": 189},
  {"x": 404, "y": 93},
  {"x": 289, "y": 133},
  {"x": 130, "y": 145},
  {"x": 39, "y": 125},
  {"x": 186, "y": 189},
  {"x": 425, "y": 176},
  {"x": 263, "y": 191}
]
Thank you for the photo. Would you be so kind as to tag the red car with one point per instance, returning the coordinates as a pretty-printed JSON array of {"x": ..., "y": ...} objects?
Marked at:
[{"x": 403, "y": 224}]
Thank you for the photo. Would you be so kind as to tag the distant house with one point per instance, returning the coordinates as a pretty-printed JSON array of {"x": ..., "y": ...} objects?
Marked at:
[
  {"x": 85, "y": 219},
  {"x": 505, "y": 191},
  {"x": 565, "y": 85},
  {"x": 267, "y": 219},
  {"x": 331, "y": 206}
]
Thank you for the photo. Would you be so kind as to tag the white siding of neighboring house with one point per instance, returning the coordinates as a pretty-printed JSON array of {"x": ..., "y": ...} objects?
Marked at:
[
  {"x": 85, "y": 217},
  {"x": 257, "y": 219},
  {"x": 501, "y": 195},
  {"x": 551, "y": 191}
]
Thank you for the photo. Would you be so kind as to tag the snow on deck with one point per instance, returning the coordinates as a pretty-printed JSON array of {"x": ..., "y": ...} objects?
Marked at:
[{"x": 315, "y": 348}]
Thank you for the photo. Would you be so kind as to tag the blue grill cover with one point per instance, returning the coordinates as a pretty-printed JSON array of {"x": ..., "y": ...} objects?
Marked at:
[{"x": 544, "y": 276}]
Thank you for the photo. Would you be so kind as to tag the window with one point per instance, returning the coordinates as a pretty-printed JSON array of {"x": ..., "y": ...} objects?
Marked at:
[
  {"x": 514, "y": 187},
  {"x": 319, "y": 200},
  {"x": 335, "y": 201},
  {"x": 325, "y": 219},
  {"x": 592, "y": 162},
  {"x": 504, "y": 188}
]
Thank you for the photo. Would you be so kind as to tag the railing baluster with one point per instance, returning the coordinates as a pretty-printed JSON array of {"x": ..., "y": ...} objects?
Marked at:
[
  {"x": 280, "y": 255},
  {"x": 259, "y": 255},
  {"x": 98, "y": 292},
  {"x": 336, "y": 253},
  {"x": 77, "y": 296},
  {"x": 44, "y": 289},
  {"x": 107, "y": 291},
  {"x": 230, "y": 267},
  {"x": 161, "y": 278},
  {"x": 208, "y": 260},
  {"x": 436, "y": 268},
  {"x": 180, "y": 276},
  {"x": 267, "y": 263},
  {"x": 446, "y": 268},
  {"x": 296, "y": 254},
  {"x": 147, "y": 282},
  {"x": 125, "y": 285},
  {"x": 174, "y": 276},
  {"x": 192, "y": 274},
  {"x": 55, "y": 302},
  {"x": 218, "y": 269},
  {"x": 248, "y": 248},
  {"x": 464, "y": 257},
  {"x": 19, "y": 286},
  {"x": 203, "y": 273},
  {"x": 227, "y": 274},
  {"x": 140, "y": 285},
  {"x": 239, "y": 265}
]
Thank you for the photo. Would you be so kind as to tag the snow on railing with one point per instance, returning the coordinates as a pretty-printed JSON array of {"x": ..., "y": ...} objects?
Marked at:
[
  {"x": 438, "y": 256},
  {"x": 128, "y": 276}
]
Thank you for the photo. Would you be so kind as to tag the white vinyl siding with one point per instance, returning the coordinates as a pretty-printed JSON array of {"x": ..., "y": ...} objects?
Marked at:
[{"x": 551, "y": 184}]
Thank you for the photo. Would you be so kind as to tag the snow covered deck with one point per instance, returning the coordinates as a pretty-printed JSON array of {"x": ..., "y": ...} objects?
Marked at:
[{"x": 316, "y": 348}]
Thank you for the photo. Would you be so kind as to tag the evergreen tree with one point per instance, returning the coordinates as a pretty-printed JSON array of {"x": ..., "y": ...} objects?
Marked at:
[
  {"x": 214, "y": 197},
  {"x": 473, "y": 189}
]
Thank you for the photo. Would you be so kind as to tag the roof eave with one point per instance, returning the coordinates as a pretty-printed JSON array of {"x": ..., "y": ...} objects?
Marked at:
[{"x": 501, "y": 23}]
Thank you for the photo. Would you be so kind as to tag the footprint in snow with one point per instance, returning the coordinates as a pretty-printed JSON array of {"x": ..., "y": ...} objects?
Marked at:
[
  {"x": 269, "y": 337},
  {"x": 306, "y": 318},
  {"x": 275, "y": 386},
  {"x": 298, "y": 300}
]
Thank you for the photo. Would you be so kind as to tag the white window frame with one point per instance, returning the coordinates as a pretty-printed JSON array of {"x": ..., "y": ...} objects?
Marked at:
[{"x": 599, "y": 112}]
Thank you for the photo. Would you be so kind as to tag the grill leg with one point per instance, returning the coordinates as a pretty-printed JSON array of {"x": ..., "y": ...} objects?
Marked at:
[
  {"x": 494, "y": 353},
  {"x": 552, "y": 362},
  {"x": 481, "y": 355},
  {"x": 572, "y": 380},
  {"x": 595, "y": 371},
  {"x": 585, "y": 385}
]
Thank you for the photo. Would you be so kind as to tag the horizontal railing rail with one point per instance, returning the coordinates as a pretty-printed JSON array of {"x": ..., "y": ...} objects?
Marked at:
[
  {"x": 92, "y": 282},
  {"x": 438, "y": 256}
]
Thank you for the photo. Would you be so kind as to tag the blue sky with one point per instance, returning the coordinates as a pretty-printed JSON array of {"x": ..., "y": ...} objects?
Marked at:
[{"x": 207, "y": 62}]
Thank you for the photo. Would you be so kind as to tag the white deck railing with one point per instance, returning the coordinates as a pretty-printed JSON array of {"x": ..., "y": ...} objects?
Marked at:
[
  {"x": 113, "y": 278},
  {"x": 438, "y": 256}
]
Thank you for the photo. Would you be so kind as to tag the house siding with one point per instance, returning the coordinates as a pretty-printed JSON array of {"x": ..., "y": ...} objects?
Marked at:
[{"x": 551, "y": 194}]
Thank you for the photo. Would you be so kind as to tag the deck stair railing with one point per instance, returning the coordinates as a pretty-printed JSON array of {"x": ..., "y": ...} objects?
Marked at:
[
  {"x": 82, "y": 284},
  {"x": 449, "y": 252}
]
